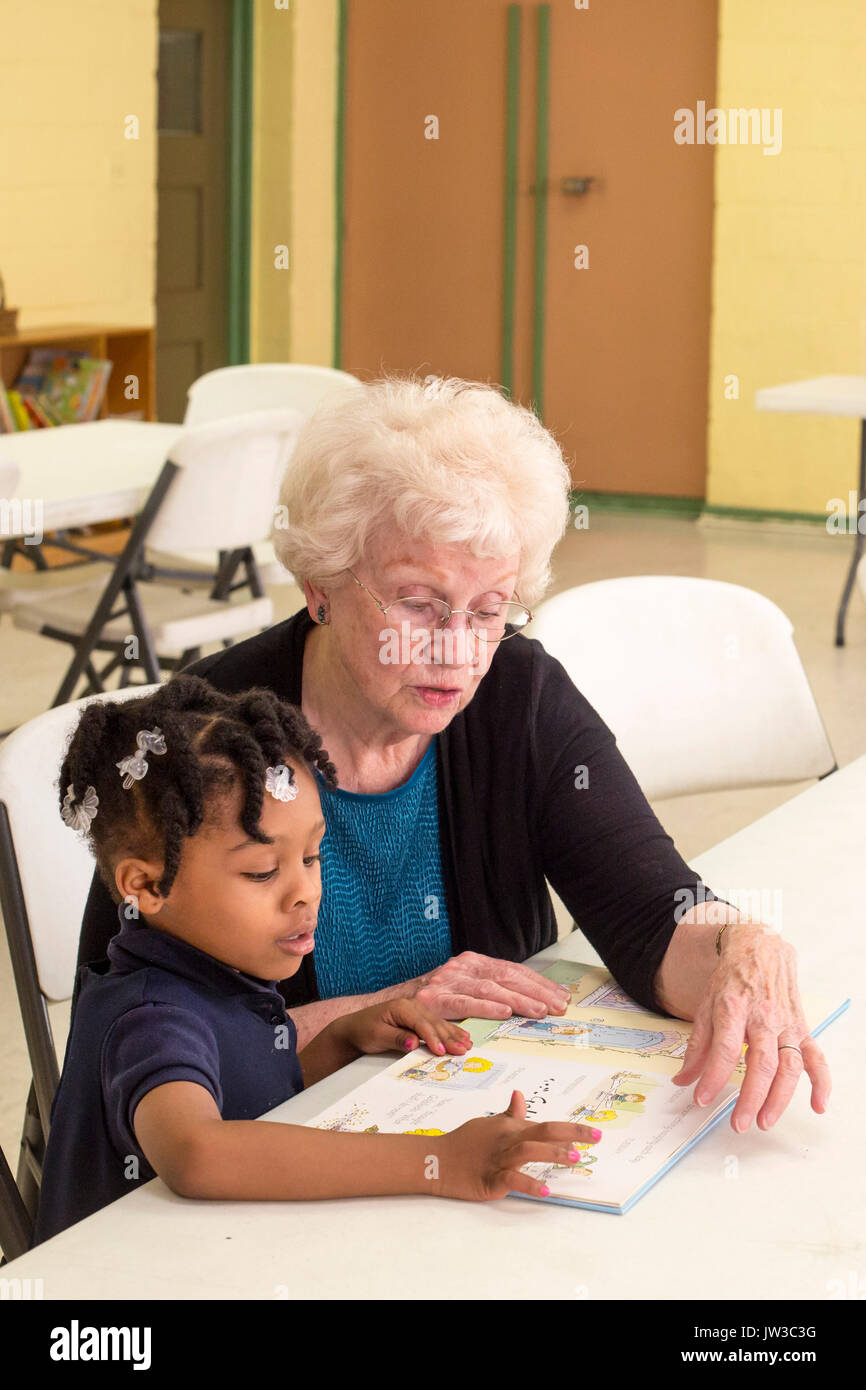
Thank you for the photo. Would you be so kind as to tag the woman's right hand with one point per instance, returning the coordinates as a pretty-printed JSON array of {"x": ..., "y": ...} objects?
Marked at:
[
  {"x": 475, "y": 986},
  {"x": 482, "y": 1160}
]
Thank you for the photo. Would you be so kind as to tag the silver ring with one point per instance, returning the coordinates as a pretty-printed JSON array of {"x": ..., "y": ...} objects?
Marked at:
[{"x": 792, "y": 1047}]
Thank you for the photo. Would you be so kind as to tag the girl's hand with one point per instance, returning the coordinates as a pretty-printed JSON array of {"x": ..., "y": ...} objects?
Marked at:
[
  {"x": 401, "y": 1025},
  {"x": 481, "y": 1160}
]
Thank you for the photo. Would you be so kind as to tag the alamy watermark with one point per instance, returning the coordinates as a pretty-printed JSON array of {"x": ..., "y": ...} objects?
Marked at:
[
  {"x": 22, "y": 517},
  {"x": 758, "y": 904},
  {"x": 441, "y": 646},
  {"x": 737, "y": 126}
]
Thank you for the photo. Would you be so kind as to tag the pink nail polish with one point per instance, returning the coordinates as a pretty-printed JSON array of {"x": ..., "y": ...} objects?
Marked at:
[
  {"x": 545, "y": 1191},
  {"x": 573, "y": 1155},
  {"x": 408, "y": 1043},
  {"x": 596, "y": 1135}
]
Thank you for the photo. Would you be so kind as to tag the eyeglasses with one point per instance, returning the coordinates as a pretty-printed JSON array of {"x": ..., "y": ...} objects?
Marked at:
[{"x": 496, "y": 622}]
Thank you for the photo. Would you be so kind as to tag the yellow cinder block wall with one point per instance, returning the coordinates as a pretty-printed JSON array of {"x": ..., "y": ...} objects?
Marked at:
[
  {"x": 789, "y": 263},
  {"x": 78, "y": 199},
  {"x": 294, "y": 154}
]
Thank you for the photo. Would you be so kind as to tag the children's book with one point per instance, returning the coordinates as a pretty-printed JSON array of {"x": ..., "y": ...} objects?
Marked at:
[
  {"x": 7, "y": 420},
  {"x": 606, "y": 1062},
  {"x": 67, "y": 386}
]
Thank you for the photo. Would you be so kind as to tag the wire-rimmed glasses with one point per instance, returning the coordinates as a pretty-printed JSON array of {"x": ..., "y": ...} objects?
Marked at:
[{"x": 495, "y": 622}]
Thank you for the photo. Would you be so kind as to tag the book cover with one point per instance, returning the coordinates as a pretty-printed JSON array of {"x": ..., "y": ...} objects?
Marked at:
[
  {"x": 605, "y": 1062},
  {"x": 7, "y": 420},
  {"x": 16, "y": 405},
  {"x": 72, "y": 386}
]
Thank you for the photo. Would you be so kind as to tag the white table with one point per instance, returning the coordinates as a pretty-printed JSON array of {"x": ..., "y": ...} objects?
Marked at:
[
  {"x": 829, "y": 395},
  {"x": 83, "y": 474},
  {"x": 790, "y": 1222}
]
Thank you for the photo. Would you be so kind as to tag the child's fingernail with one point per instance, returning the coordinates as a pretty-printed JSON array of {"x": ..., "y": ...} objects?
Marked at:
[
  {"x": 545, "y": 1191},
  {"x": 596, "y": 1135},
  {"x": 440, "y": 1047},
  {"x": 573, "y": 1154},
  {"x": 408, "y": 1043}
]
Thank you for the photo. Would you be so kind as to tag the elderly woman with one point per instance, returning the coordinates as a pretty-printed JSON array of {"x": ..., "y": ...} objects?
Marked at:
[{"x": 420, "y": 519}]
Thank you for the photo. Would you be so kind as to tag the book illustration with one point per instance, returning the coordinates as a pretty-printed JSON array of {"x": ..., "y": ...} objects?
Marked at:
[
  {"x": 352, "y": 1120},
  {"x": 616, "y": 1103},
  {"x": 593, "y": 1032},
  {"x": 454, "y": 1073},
  {"x": 607, "y": 996},
  {"x": 591, "y": 985},
  {"x": 544, "y": 1172}
]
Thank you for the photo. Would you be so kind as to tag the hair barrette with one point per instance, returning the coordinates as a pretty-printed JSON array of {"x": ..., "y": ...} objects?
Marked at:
[
  {"x": 79, "y": 814},
  {"x": 280, "y": 782},
  {"x": 133, "y": 768}
]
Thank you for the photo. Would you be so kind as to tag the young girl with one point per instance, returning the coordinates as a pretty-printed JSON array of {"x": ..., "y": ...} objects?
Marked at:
[{"x": 203, "y": 813}]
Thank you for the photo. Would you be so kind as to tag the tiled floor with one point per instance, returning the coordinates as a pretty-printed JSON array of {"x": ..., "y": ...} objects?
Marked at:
[{"x": 800, "y": 569}]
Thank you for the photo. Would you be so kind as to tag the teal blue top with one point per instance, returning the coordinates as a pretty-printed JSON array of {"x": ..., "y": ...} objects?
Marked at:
[{"x": 383, "y": 916}]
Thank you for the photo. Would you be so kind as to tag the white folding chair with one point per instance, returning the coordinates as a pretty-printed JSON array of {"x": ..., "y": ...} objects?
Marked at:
[
  {"x": 217, "y": 489},
  {"x": 45, "y": 875},
  {"x": 234, "y": 391},
  {"x": 262, "y": 386},
  {"x": 699, "y": 680}
]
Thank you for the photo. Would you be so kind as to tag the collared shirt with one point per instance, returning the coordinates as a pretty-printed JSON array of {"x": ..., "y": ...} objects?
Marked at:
[{"x": 158, "y": 1010}]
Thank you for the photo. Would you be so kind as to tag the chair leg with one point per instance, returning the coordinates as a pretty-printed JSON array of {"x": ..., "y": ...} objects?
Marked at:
[
  {"x": 16, "y": 1225},
  {"x": 31, "y": 1155}
]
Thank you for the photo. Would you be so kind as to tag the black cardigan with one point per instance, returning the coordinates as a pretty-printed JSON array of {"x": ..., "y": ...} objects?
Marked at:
[{"x": 513, "y": 810}]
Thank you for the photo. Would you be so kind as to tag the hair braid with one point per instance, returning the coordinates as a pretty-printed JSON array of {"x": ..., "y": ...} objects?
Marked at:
[{"x": 212, "y": 738}]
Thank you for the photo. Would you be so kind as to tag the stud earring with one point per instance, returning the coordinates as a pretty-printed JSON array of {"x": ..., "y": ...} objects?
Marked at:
[{"x": 321, "y": 613}]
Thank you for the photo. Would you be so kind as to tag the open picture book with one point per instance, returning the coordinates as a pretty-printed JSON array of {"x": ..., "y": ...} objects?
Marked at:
[{"x": 605, "y": 1062}]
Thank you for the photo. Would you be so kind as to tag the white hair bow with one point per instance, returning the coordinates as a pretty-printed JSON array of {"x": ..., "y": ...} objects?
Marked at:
[
  {"x": 280, "y": 782},
  {"x": 133, "y": 768}
]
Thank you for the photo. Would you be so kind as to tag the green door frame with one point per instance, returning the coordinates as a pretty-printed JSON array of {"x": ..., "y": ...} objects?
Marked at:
[{"x": 240, "y": 180}]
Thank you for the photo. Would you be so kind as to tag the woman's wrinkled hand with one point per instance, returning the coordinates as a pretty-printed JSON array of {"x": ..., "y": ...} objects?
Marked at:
[
  {"x": 475, "y": 986},
  {"x": 752, "y": 997}
]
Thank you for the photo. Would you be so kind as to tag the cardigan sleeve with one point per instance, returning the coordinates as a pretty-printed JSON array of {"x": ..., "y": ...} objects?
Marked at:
[{"x": 603, "y": 849}]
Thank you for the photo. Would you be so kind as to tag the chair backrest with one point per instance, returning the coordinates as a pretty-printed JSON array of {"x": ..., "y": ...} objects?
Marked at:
[
  {"x": 52, "y": 862},
  {"x": 225, "y": 494},
  {"x": 699, "y": 680},
  {"x": 262, "y": 386}
]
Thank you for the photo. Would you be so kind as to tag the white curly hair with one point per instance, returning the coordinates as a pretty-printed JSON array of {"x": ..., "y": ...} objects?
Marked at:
[{"x": 438, "y": 458}]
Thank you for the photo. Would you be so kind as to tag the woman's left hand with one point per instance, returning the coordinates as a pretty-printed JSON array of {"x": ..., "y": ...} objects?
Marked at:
[
  {"x": 752, "y": 997},
  {"x": 401, "y": 1025}
]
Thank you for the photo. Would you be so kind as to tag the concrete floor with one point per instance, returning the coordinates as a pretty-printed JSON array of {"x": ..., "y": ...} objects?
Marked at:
[{"x": 802, "y": 569}]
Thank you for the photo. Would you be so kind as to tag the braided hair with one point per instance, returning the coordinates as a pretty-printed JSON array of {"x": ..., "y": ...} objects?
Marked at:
[{"x": 214, "y": 743}]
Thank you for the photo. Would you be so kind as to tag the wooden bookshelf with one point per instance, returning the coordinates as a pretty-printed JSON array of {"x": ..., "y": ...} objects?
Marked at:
[{"x": 131, "y": 350}]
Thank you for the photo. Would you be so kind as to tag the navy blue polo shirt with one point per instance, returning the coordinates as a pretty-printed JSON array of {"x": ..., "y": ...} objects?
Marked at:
[{"x": 157, "y": 1010}]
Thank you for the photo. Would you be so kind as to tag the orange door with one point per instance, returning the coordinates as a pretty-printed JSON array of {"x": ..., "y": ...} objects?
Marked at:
[{"x": 463, "y": 252}]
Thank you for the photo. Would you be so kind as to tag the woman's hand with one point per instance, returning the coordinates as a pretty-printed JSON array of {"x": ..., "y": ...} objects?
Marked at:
[
  {"x": 481, "y": 1160},
  {"x": 473, "y": 986},
  {"x": 400, "y": 1025},
  {"x": 752, "y": 997}
]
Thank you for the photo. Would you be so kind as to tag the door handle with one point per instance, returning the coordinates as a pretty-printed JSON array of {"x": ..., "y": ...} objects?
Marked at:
[{"x": 576, "y": 186}]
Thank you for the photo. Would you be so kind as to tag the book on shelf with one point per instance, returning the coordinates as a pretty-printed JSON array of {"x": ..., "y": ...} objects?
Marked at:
[
  {"x": 606, "y": 1062},
  {"x": 7, "y": 422},
  {"x": 55, "y": 387},
  {"x": 19, "y": 413}
]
